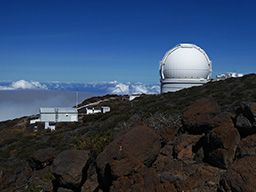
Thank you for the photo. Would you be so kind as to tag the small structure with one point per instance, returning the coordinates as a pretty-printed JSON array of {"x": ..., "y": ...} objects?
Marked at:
[
  {"x": 92, "y": 111},
  {"x": 51, "y": 116},
  {"x": 228, "y": 75},
  {"x": 103, "y": 109},
  {"x": 132, "y": 97}
]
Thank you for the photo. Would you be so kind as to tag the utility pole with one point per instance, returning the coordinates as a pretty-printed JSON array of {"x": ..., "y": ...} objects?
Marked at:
[{"x": 76, "y": 98}]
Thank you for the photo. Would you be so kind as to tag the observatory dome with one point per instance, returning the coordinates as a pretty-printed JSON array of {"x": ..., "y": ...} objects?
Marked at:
[{"x": 184, "y": 66}]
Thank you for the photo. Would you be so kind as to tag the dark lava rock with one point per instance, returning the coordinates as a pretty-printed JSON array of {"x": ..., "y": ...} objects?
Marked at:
[
  {"x": 91, "y": 184},
  {"x": 221, "y": 144},
  {"x": 246, "y": 147},
  {"x": 145, "y": 180},
  {"x": 240, "y": 176},
  {"x": 60, "y": 189},
  {"x": 127, "y": 154},
  {"x": 199, "y": 177},
  {"x": 201, "y": 116},
  {"x": 183, "y": 146},
  {"x": 167, "y": 177},
  {"x": 245, "y": 120},
  {"x": 70, "y": 168},
  {"x": 41, "y": 158}
]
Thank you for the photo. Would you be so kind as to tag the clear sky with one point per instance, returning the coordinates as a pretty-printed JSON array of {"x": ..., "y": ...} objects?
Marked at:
[{"x": 87, "y": 41}]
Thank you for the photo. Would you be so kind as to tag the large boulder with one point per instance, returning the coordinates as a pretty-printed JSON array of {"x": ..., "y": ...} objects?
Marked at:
[
  {"x": 145, "y": 180},
  {"x": 127, "y": 154},
  {"x": 70, "y": 168},
  {"x": 199, "y": 177},
  {"x": 183, "y": 146},
  {"x": 91, "y": 183},
  {"x": 201, "y": 116},
  {"x": 240, "y": 176},
  {"x": 186, "y": 175},
  {"x": 246, "y": 147},
  {"x": 245, "y": 120},
  {"x": 221, "y": 144},
  {"x": 41, "y": 158}
]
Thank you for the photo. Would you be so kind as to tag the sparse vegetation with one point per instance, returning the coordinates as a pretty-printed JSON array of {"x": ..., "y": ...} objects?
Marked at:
[{"x": 95, "y": 132}]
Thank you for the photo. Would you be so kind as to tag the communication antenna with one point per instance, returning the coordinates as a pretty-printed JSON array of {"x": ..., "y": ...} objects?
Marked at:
[{"x": 76, "y": 98}]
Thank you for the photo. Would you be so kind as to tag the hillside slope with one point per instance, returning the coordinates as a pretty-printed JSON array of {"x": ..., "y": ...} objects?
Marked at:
[{"x": 197, "y": 139}]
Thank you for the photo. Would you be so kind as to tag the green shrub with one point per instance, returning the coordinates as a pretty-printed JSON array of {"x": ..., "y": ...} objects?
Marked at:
[{"x": 95, "y": 142}]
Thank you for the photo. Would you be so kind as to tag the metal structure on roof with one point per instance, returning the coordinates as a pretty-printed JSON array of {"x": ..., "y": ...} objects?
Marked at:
[{"x": 184, "y": 66}]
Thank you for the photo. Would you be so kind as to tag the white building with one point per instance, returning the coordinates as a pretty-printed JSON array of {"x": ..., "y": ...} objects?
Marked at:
[
  {"x": 50, "y": 116},
  {"x": 228, "y": 75},
  {"x": 184, "y": 66},
  {"x": 103, "y": 109}
]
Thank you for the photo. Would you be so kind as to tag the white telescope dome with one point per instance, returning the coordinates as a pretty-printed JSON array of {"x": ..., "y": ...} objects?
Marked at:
[{"x": 184, "y": 66}]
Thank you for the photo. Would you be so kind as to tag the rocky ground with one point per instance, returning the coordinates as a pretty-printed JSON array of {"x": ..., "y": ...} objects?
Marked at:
[{"x": 199, "y": 139}]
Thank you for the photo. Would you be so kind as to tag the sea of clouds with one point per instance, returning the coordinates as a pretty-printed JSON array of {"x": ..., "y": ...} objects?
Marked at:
[
  {"x": 112, "y": 87},
  {"x": 24, "y": 98}
]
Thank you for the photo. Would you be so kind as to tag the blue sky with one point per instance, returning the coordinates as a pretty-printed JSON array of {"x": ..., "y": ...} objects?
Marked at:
[{"x": 88, "y": 41}]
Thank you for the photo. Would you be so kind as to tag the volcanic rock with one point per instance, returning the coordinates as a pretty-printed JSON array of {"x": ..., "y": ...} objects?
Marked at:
[
  {"x": 221, "y": 144},
  {"x": 41, "y": 158},
  {"x": 201, "y": 116},
  {"x": 91, "y": 183},
  {"x": 183, "y": 146},
  {"x": 246, "y": 147},
  {"x": 70, "y": 168},
  {"x": 245, "y": 120},
  {"x": 240, "y": 176},
  {"x": 145, "y": 180},
  {"x": 127, "y": 154},
  {"x": 199, "y": 177}
]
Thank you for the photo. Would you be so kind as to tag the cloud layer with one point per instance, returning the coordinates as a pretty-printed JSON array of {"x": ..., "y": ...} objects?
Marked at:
[
  {"x": 22, "y": 84},
  {"x": 23, "y": 98},
  {"x": 112, "y": 87}
]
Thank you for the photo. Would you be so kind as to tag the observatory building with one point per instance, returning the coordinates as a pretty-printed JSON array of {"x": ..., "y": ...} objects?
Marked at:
[{"x": 184, "y": 66}]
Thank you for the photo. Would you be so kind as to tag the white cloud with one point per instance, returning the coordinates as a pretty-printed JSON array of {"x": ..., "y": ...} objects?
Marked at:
[
  {"x": 120, "y": 89},
  {"x": 139, "y": 89},
  {"x": 22, "y": 84},
  {"x": 129, "y": 88},
  {"x": 112, "y": 87}
]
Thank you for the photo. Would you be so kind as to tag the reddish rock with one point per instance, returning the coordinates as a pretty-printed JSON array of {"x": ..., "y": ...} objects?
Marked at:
[
  {"x": 146, "y": 180},
  {"x": 70, "y": 167},
  {"x": 170, "y": 165},
  {"x": 127, "y": 154},
  {"x": 240, "y": 176},
  {"x": 183, "y": 146},
  {"x": 223, "y": 137},
  {"x": 246, "y": 147},
  {"x": 245, "y": 120},
  {"x": 61, "y": 189},
  {"x": 41, "y": 158},
  {"x": 167, "y": 187},
  {"x": 167, "y": 134},
  {"x": 200, "y": 177},
  {"x": 91, "y": 182},
  {"x": 201, "y": 116},
  {"x": 221, "y": 144}
]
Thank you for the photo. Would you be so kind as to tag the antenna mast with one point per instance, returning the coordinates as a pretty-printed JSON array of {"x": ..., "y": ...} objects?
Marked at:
[{"x": 76, "y": 98}]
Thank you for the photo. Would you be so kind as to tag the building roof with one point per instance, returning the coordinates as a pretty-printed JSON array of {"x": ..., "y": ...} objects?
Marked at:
[{"x": 58, "y": 110}]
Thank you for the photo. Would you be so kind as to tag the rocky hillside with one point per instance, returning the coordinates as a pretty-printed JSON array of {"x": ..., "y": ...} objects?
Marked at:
[{"x": 197, "y": 139}]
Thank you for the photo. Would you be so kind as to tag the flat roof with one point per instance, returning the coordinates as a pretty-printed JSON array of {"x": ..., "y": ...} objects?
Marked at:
[{"x": 58, "y": 110}]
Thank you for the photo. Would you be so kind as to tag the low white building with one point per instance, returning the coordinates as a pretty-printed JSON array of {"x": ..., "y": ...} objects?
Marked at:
[
  {"x": 51, "y": 116},
  {"x": 228, "y": 75},
  {"x": 103, "y": 109},
  {"x": 92, "y": 111}
]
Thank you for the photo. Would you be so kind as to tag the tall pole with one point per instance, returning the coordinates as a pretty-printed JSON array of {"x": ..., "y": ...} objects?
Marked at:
[{"x": 76, "y": 98}]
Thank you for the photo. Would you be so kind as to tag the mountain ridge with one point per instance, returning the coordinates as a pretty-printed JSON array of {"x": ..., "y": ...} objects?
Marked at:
[{"x": 194, "y": 139}]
